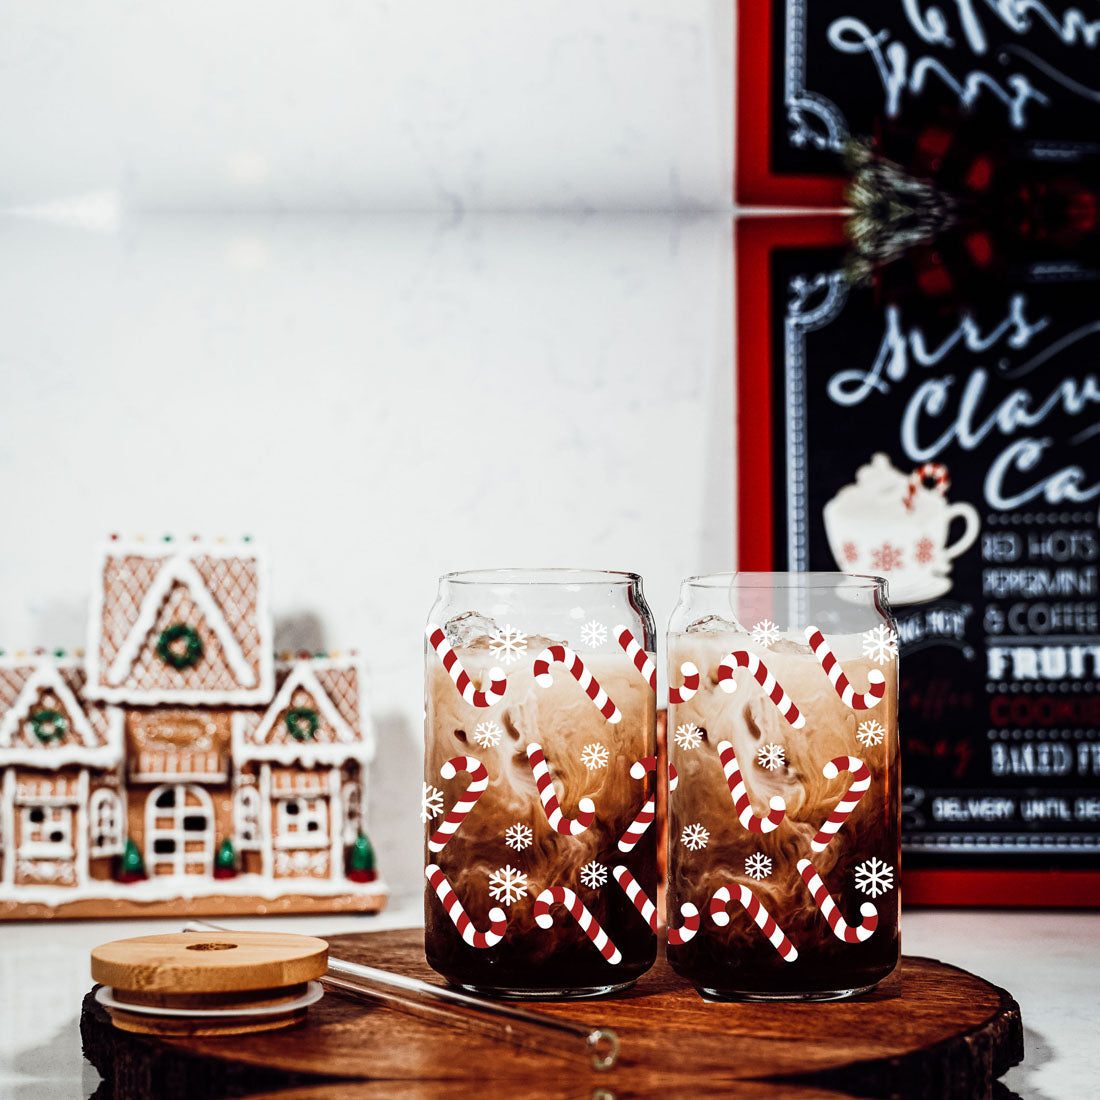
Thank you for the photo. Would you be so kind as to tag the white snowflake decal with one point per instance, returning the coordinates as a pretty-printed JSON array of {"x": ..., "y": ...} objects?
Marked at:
[
  {"x": 771, "y": 756},
  {"x": 880, "y": 643},
  {"x": 758, "y": 866},
  {"x": 874, "y": 877},
  {"x": 487, "y": 734},
  {"x": 593, "y": 634},
  {"x": 688, "y": 736},
  {"x": 694, "y": 837},
  {"x": 507, "y": 885},
  {"x": 765, "y": 633},
  {"x": 870, "y": 733},
  {"x": 518, "y": 836},
  {"x": 594, "y": 875},
  {"x": 431, "y": 806},
  {"x": 594, "y": 756},
  {"x": 508, "y": 645}
]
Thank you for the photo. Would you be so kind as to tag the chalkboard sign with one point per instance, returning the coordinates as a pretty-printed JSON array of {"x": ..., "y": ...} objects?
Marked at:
[
  {"x": 812, "y": 73},
  {"x": 957, "y": 454}
]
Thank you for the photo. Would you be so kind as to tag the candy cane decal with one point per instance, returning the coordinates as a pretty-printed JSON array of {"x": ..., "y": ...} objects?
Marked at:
[
  {"x": 848, "y": 695},
  {"x": 861, "y": 780},
  {"x": 638, "y": 897},
  {"x": 564, "y": 655},
  {"x": 629, "y": 644},
  {"x": 637, "y": 828},
  {"x": 763, "y": 919},
  {"x": 741, "y": 658},
  {"x": 498, "y": 682},
  {"x": 479, "y": 780},
  {"x": 940, "y": 478},
  {"x": 555, "y": 895},
  {"x": 586, "y": 808},
  {"x": 741, "y": 801},
  {"x": 688, "y": 688},
  {"x": 692, "y": 919},
  {"x": 841, "y": 929},
  {"x": 498, "y": 920}
]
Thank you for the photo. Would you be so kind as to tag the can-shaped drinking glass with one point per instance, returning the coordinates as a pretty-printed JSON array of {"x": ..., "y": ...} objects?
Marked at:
[
  {"x": 784, "y": 827},
  {"x": 540, "y": 781}
]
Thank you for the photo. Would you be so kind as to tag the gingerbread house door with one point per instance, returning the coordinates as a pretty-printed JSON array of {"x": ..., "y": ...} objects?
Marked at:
[{"x": 179, "y": 830}]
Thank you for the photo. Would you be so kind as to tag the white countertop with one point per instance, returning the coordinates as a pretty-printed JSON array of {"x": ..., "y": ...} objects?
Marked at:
[{"x": 1049, "y": 961}]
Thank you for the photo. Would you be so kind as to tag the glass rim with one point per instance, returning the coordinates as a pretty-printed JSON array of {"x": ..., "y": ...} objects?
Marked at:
[
  {"x": 530, "y": 577},
  {"x": 781, "y": 579}
]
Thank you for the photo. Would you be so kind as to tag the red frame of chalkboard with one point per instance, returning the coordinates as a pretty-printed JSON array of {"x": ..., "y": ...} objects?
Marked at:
[
  {"x": 754, "y": 183},
  {"x": 755, "y": 239}
]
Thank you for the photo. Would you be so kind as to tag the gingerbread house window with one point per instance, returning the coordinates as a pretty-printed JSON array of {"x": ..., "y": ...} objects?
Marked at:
[
  {"x": 301, "y": 822},
  {"x": 105, "y": 824},
  {"x": 179, "y": 830},
  {"x": 47, "y": 832},
  {"x": 246, "y": 817},
  {"x": 351, "y": 795}
]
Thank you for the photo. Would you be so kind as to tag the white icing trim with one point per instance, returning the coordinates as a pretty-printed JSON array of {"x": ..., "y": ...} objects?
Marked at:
[
  {"x": 336, "y": 826},
  {"x": 45, "y": 675},
  {"x": 246, "y": 818},
  {"x": 266, "y": 827},
  {"x": 82, "y": 838},
  {"x": 7, "y": 808},
  {"x": 179, "y": 570},
  {"x": 245, "y": 696},
  {"x": 186, "y": 888},
  {"x": 107, "y": 756}
]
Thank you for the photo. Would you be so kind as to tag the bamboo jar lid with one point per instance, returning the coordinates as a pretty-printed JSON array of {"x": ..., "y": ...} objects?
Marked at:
[{"x": 209, "y": 983}]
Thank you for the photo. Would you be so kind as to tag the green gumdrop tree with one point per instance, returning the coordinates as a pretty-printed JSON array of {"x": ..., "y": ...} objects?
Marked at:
[
  {"x": 361, "y": 861},
  {"x": 225, "y": 862},
  {"x": 131, "y": 867}
]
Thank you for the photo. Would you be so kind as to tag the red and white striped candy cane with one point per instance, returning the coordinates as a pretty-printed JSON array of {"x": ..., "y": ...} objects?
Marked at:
[
  {"x": 636, "y": 829},
  {"x": 498, "y": 682},
  {"x": 841, "y": 929},
  {"x": 648, "y": 669},
  {"x": 857, "y": 700},
  {"x": 479, "y": 780},
  {"x": 586, "y": 808},
  {"x": 940, "y": 478},
  {"x": 562, "y": 895},
  {"x": 688, "y": 688},
  {"x": 741, "y": 658},
  {"x": 637, "y": 895},
  {"x": 633, "y": 649},
  {"x": 692, "y": 919},
  {"x": 741, "y": 801},
  {"x": 861, "y": 780},
  {"x": 764, "y": 920},
  {"x": 498, "y": 919},
  {"x": 577, "y": 669}
]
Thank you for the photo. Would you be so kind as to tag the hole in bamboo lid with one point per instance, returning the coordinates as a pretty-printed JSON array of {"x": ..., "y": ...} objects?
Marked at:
[{"x": 211, "y": 946}]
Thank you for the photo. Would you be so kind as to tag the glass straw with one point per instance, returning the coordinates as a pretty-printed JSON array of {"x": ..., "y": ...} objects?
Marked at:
[{"x": 456, "y": 1008}]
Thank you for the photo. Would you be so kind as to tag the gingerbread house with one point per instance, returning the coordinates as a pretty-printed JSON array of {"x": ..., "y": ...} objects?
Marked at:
[{"x": 179, "y": 768}]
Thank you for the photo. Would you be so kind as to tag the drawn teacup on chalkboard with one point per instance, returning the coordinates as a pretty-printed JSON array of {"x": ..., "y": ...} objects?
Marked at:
[{"x": 897, "y": 526}]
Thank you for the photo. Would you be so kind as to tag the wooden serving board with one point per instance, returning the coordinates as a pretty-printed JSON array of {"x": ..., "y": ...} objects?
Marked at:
[{"x": 929, "y": 1030}]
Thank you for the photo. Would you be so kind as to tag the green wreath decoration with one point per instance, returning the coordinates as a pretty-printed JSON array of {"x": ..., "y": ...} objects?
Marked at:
[
  {"x": 301, "y": 723},
  {"x": 191, "y": 653},
  {"x": 48, "y": 725}
]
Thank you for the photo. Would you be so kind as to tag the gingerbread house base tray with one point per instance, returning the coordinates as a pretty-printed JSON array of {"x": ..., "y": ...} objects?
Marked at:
[
  {"x": 221, "y": 905},
  {"x": 929, "y": 1030}
]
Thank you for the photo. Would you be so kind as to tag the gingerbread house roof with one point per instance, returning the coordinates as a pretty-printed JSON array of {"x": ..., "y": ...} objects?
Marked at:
[
  {"x": 180, "y": 623},
  {"x": 317, "y": 716},
  {"x": 44, "y": 721}
]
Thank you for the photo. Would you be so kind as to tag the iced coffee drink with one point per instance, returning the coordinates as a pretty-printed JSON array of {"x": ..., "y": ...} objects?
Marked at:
[
  {"x": 539, "y": 783},
  {"x": 784, "y": 825}
]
